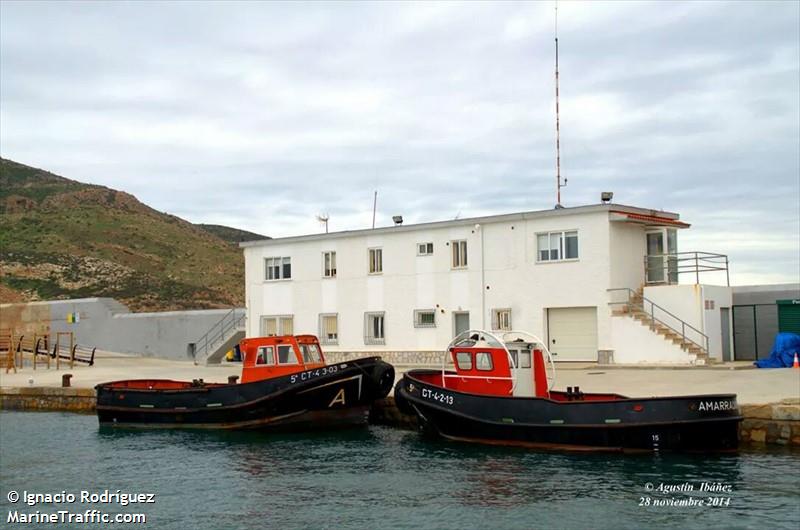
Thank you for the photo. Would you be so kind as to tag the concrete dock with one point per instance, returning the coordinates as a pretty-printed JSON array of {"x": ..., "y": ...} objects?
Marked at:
[{"x": 769, "y": 398}]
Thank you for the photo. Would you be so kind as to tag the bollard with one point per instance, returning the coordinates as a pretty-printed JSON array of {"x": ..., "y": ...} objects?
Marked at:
[
  {"x": 65, "y": 380},
  {"x": 232, "y": 379}
]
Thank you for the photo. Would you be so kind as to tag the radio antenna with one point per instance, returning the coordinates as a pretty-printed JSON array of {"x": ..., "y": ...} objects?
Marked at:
[
  {"x": 559, "y": 185},
  {"x": 323, "y": 218}
]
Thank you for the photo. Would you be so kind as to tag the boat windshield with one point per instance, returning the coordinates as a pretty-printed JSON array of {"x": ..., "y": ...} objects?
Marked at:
[
  {"x": 311, "y": 353},
  {"x": 286, "y": 354}
]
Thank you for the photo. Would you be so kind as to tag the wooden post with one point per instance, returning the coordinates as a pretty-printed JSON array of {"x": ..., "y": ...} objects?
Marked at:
[
  {"x": 56, "y": 350},
  {"x": 11, "y": 353},
  {"x": 35, "y": 346},
  {"x": 71, "y": 350}
]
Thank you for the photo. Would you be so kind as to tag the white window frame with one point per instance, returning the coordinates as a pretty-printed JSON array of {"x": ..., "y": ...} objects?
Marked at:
[
  {"x": 281, "y": 273},
  {"x": 323, "y": 333},
  {"x": 425, "y": 249},
  {"x": 369, "y": 336},
  {"x": 280, "y": 328},
  {"x": 417, "y": 316},
  {"x": 501, "y": 319},
  {"x": 458, "y": 254},
  {"x": 562, "y": 246},
  {"x": 329, "y": 267},
  {"x": 375, "y": 260}
]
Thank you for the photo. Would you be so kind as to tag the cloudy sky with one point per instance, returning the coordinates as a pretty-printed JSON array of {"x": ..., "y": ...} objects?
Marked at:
[{"x": 261, "y": 115}]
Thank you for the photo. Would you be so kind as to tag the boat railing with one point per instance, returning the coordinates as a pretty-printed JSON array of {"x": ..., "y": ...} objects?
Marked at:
[{"x": 637, "y": 303}]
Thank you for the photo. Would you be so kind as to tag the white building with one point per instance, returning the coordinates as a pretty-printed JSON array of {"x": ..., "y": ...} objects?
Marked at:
[{"x": 411, "y": 288}]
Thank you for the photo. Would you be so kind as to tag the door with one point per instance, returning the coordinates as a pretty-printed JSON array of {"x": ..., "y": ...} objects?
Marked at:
[
  {"x": 523, "y": 369},
  {"x": 572, "y": 333},
  {"x": 460, "y": 322},
  {"x": 725, "y": 321},
  {"x": 655, "y": 257}
]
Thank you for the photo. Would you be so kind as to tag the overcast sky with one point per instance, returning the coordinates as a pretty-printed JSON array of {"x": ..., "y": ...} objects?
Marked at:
[{"x": 261, "y": 115}]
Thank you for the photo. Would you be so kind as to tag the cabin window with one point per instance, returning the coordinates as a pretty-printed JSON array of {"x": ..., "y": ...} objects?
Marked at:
[
  {"x": 424, "y": 318},
  {"x": 522, "y": 359},
  {"x": 459, "y": 254},
  {"x": 329, "y": 328},
  {"x": 266, "y": 355},
  {"x": 277, "y": 268},
  {"x": 375, "y": 260},
  {"x": 501, "y": 319},
  {"x": 424, "y": 249},
  {"x": 310, "y": 353},
  {"x": 557, "y": 246},
  {"x": 286, "y": 354},
  {"x": 272, "y": 325},
  {"x": 373, "y": 328},
  {"x": 464, "y": 360},
  {"x": 483, "y": 361},
  {"x": 329, "y": 264}
]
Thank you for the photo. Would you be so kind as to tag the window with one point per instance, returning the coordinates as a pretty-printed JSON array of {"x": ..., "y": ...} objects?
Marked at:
[
  {"x": 522, "y": 359},
  {"x": 329, "y": 328},
  {"x": 310, "y": 353},
  {"x": 266, "y": 355},
  {"x": 329, "y": 264},
  {"x": 375, "y": 260},
  {"x": 424, "y": 318},
  {"x": 286, "y": 354},
  {"x": 277, "y": 325},
  {"x": 277, "y": 268},
  {"x": 424, "y": 249},
  {"x": 459, "y": 254},
  {"x": 501, "y": 319},
  {"x": 464, "y": 360},
  {"x": 373, "y": 328},
  {"x": 483, "y": 361},
  {"x": 557, "y": 246}
]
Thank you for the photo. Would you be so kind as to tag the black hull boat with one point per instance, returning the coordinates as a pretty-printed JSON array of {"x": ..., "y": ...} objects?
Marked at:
[
  {"x": 463, "y": 406},
  {"x": 321, "y": 397}
]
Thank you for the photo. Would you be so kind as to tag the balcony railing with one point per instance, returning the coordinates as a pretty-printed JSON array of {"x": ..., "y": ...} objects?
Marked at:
[{"x": 666, "y": 268}]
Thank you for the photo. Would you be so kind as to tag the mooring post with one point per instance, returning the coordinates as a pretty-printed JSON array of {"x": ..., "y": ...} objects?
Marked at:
[
  {"x": 232, "y": 379},
  {"x": 65, "y": 380}
]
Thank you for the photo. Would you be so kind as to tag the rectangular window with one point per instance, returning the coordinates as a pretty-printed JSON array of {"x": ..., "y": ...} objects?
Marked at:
[
  {"x": 501, "y": 319},
  {"x": 464, "y": 360},
  {"x": 373, "y": 328},
  {"x": 483, "y": 361},
  {"x": 329, "y": 328},
  {"x": 273, "y": 325},
  {"x": 424, "y": 318},
  {"x": 375, "y": 261},
  {"x": 329, "y": 264},
  {"x": 310, "y": 353},
  {"x": 424, "y": 249},
  {"x": 277, "y": 268},
  {"x": 266, "y": 355},
  {"x": 459, "y": 254},
  {"x": 557, "y": 246},
  {"x": 286, "y": 354}
]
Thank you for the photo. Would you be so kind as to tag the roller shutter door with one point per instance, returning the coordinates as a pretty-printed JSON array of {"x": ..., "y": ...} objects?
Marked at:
[
  {"x": 572, "y": 333},
  {"x": 789, "y": 316}
]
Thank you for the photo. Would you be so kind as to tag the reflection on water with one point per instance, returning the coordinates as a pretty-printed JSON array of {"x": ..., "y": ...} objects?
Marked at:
[{"x": 383, "y": 478}]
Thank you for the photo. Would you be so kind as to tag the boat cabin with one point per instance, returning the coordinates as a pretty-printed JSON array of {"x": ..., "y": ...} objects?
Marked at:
[
  {"x": 268, "y": 357},
  {"x": 510, "y": 365}
]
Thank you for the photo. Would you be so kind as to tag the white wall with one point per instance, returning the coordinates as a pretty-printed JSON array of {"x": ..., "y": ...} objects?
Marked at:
[
  {"x": 720, "y": 296},
  {"x": 636, "y": 343}
]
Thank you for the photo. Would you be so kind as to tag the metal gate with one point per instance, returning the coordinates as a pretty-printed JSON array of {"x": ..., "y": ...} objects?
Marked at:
[{"x": 754, "y": 330}]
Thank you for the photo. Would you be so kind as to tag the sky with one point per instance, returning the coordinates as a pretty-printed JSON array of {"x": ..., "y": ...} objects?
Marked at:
[{"x": 263, "y": 115}]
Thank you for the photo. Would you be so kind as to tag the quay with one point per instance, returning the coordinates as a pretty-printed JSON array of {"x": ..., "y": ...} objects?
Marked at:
[{"x": 769, "y": 398}]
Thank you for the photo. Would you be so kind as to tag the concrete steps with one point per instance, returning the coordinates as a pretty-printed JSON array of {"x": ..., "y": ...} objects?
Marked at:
[{"x": 669, "y": 334}]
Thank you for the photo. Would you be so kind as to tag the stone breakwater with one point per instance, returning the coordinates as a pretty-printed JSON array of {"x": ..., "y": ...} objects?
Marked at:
[
  {"x": 769, "y": 424},
  {"x": 395, "y": 358}
]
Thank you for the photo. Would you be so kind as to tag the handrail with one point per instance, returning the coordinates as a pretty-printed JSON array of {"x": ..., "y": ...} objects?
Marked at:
[
  {"x": 218, "y": 332},
  {"x": 687, "y": 262},
  {"x": 653, "y": 306}
]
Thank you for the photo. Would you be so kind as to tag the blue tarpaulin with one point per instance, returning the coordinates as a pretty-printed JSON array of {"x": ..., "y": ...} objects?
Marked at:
[{"x": 782, "y": 354}]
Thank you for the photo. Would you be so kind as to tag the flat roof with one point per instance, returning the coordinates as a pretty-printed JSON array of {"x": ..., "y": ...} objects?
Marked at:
[{"x": 520, "y": 216}]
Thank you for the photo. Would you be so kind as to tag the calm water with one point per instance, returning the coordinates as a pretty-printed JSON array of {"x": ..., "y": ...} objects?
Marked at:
[{"x": 378, "y": 478}]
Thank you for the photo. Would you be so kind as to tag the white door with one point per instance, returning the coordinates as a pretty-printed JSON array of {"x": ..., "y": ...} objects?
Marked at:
[
  {"x": 523, "y": 373},
  {"x": 572, "y": 333}
]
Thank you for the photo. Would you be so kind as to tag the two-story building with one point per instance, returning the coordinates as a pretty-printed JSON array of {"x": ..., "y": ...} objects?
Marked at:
[{"x": 598, "y": 280}]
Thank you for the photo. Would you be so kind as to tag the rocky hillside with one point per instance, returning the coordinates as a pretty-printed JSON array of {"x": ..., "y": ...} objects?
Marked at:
[{"x": 64, "y": 239}]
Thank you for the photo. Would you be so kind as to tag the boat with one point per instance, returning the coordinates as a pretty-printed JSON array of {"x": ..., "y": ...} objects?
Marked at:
[
  {"x": 500, "y": 390},
  {"x": 286, "y": 384}
]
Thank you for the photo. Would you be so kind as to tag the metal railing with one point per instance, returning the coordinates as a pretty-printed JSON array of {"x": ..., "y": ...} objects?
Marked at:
[
  {"x": 665, "y": 268},
  {"x": 218, "y": 333},
  {"x": 658, "y": 315}
]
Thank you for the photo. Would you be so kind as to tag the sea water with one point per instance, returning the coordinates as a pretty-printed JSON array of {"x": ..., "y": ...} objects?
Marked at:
[{"x": 371, "y": 478}]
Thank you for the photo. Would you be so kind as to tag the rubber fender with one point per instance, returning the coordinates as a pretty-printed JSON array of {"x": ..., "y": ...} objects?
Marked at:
[{"x": 383, "y": 376}]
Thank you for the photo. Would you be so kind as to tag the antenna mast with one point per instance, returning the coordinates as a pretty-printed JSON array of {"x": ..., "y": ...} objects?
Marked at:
[{"x": 559, "y": 185}]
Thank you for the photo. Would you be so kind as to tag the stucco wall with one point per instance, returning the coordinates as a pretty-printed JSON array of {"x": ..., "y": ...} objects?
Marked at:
[
  {"x": 636, "y": 343},
  {"x": 108, "y": 325}
]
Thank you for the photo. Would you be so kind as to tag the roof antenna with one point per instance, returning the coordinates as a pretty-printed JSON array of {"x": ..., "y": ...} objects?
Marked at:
[
  {"x": 559, "y": 185},
  {"x": 374, "y": 207},
  {"x": 323, "y": 218}
]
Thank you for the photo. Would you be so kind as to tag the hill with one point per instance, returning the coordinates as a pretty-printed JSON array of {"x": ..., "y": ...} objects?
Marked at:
[
  {"x": 231, "y": 235},
  {"x": 65, "y": 239}
]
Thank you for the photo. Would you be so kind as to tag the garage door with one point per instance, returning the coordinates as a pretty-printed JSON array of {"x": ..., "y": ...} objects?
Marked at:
[{"x": 572, "y": 333}]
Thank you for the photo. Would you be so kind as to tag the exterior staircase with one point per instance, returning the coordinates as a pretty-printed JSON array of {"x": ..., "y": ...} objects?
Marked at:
[
  {"x": 660, "y": 321},
  {"x": 220, "y": 338}
]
